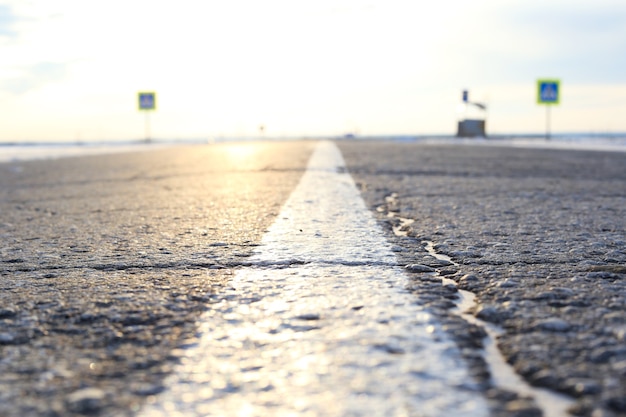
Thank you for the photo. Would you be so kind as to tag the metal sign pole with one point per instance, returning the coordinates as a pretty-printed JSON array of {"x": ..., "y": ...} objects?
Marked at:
[
  {"x": 147, "y": 103},
  {"x": 147, "y": 126},
  {"x": 548, "y": 121},
  {"x": 548, "y": 94}
]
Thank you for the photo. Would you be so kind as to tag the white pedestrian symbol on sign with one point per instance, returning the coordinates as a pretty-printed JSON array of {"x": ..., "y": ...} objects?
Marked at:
[
  {"x": 147, "y": 101},
  {"x": 548, "y": 91}
]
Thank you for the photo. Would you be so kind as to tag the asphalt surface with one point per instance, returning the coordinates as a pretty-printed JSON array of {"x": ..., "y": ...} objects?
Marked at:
[
  {"x": 107, "y": 262},
  {"x": 539, "y": 237}
]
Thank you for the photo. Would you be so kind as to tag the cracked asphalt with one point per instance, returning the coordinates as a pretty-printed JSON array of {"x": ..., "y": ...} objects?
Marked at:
[
  {"x": 106, "y": 262},
  {"x": 539, "y": 237}
]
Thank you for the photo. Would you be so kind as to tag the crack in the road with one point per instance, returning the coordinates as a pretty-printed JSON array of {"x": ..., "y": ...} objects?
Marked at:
[
  {"x": 204, "y": 265},
  {"x": 502, "y": 375}
]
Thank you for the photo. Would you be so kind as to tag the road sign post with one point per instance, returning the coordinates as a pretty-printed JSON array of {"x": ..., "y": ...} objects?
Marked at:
[
  {"x": 548, "y": 93},
  {"x": 147, "y": 103}
]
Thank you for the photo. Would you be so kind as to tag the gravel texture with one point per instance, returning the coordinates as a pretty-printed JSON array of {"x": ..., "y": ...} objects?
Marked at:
[
  {"x": 106, "y": 263},
  {"x": 539, "y": 237}
]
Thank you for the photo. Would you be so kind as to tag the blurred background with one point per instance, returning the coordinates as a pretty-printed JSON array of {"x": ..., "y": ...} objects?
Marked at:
[{"x": 70, "y": 70}]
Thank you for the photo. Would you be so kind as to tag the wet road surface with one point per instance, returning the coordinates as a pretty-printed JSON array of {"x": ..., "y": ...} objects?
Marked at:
[{"x": 114, "y": 269}]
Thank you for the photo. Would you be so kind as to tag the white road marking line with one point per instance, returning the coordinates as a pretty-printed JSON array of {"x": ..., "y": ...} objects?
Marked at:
[{"x": 325, "y": 327}]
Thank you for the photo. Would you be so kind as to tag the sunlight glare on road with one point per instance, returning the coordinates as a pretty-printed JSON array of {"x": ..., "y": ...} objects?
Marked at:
[{"x": 241, "y": 155}]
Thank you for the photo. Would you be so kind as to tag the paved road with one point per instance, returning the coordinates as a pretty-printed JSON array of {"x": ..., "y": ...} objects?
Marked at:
[
  {"x": 108, "y": 263},
  {"x": 538, "y": 236}
]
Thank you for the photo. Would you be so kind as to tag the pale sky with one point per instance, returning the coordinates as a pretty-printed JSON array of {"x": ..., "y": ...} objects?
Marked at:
[{"x": 71, "y": 69}]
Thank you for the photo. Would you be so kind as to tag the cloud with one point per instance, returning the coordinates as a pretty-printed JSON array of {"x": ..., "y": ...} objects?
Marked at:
[
  {"x": 7, "y": 20},
  {"x": 518, "y": 41},
  {"x": 581, "y": 41},
  {"x": 34, "y": 77}
]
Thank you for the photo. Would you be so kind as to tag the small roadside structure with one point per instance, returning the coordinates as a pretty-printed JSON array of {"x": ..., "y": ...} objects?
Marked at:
[{"x": 470, "y": 127}]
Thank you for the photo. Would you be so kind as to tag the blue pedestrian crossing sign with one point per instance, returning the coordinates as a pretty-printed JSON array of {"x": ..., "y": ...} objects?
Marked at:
[
  {"x": 548, "y": 91},
  {"x": 147, "y": 101}
]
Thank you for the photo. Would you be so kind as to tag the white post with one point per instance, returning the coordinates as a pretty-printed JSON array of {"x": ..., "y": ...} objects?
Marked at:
[
  {"x": 147, "y": 126},
  {"x": 548, "y": 121}
]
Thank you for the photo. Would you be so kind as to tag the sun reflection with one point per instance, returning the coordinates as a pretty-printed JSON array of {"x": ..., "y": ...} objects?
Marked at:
[{"x": 241, "y": 154}]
